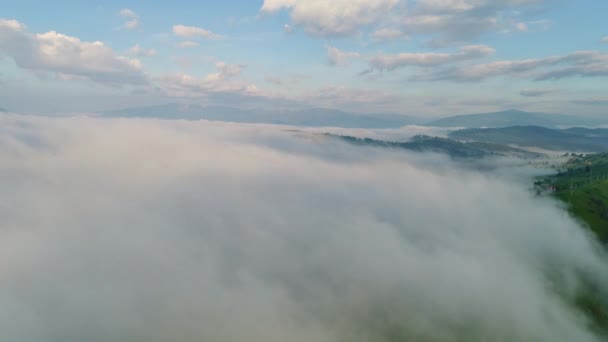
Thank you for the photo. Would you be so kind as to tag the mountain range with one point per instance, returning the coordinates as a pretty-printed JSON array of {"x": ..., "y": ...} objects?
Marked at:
[
  {"x": 572, "y": 139},
  {"x": 322, "y": 117},
  {"x": 511, "y": 118},
  {"x": 312, "y": 117}
]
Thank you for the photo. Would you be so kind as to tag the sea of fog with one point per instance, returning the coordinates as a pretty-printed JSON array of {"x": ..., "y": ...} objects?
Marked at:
[{"x": 146, "y": 230}]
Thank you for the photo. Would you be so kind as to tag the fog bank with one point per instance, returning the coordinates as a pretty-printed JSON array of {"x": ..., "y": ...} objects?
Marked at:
[{"x": 145, "y": 230}]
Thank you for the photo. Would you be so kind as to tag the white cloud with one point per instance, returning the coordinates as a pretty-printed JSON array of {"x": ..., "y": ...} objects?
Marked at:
[
  {"x": 605, "y": 39},
  {"x": 132, "y": 24},
  {"x": 165, "y": 231},
  {"x": 521, "y": 27},
  {"x": 12, "y": 25},
  {"x": 193, "y": 31},
  {"x": 338, "y": 57},
  {"x": 188, "y": 44},
  {"x": 138, "y": 51},
  {"x": 449, "y": 28},
  {"x": 133, "y": 21},
  {"x": 127, "y": 13},
  {"x": 225, "y": 71},
  {"x": 388, "y": 33},
  {"x": 453, "y": 21},
  {"x": 444, "y": 21},
  {"x": 276, "y": 5},
  {"x": 337, "y": 17},
  {"x": 67, "y": 56},
  {"x": 391, "y": 62},
  {"x": 221, "y": 81},
  {"x": 579, "y": 63}
]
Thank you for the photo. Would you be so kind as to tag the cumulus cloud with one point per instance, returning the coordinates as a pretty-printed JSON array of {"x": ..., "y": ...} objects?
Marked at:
[
  {"x": 605, "y": 39},
  {"x": 139, "y": 51},
  {"x": 537, "y": 92},
  {"x": 460, "y": 6},
  {"x": 391, "y": 62},
  {"x": 221, "y": 81},
  {"x": 332, "y": 18},
  {"x": 138, "y": 230},
  {"x": 127, "y": 13},
  {"x": 66, "y": 56},
  {"x": 337, "y": 57},
  {"x": 446, "y": 21},
  {"x": 194, "y": 32}
]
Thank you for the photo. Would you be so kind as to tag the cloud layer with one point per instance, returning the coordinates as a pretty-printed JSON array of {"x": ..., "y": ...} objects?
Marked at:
[
  {"x": 391, "y": 62},
  {"x": 575, "y": 64},
  {"x": 141, "y": 230}
]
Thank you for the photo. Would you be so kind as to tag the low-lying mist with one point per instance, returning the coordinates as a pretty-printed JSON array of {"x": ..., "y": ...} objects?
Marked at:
[{"x": 144, "y": 230}]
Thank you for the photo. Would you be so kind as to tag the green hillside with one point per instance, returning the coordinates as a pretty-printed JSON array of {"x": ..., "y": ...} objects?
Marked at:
[{"x": 583, "y": 185}]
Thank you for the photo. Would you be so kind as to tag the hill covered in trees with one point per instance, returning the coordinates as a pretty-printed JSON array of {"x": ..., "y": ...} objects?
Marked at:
[{"x": 582, "y": 183}]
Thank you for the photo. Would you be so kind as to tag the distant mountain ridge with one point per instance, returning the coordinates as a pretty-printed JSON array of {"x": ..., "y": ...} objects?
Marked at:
[
  {"x": 313, "y": 117},
  {"x": 511, "y": 118},
  {"x": 453, "y": 148},
  {"x": 572, "y": 139},
  {"x": 318, "y": 117}
]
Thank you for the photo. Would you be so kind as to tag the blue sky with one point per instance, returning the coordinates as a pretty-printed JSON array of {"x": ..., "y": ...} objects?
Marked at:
[{"x": 424, "y": 57}]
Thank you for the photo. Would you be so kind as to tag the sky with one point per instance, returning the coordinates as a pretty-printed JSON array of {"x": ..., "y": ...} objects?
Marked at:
[{"x": 424, "y": 58}]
